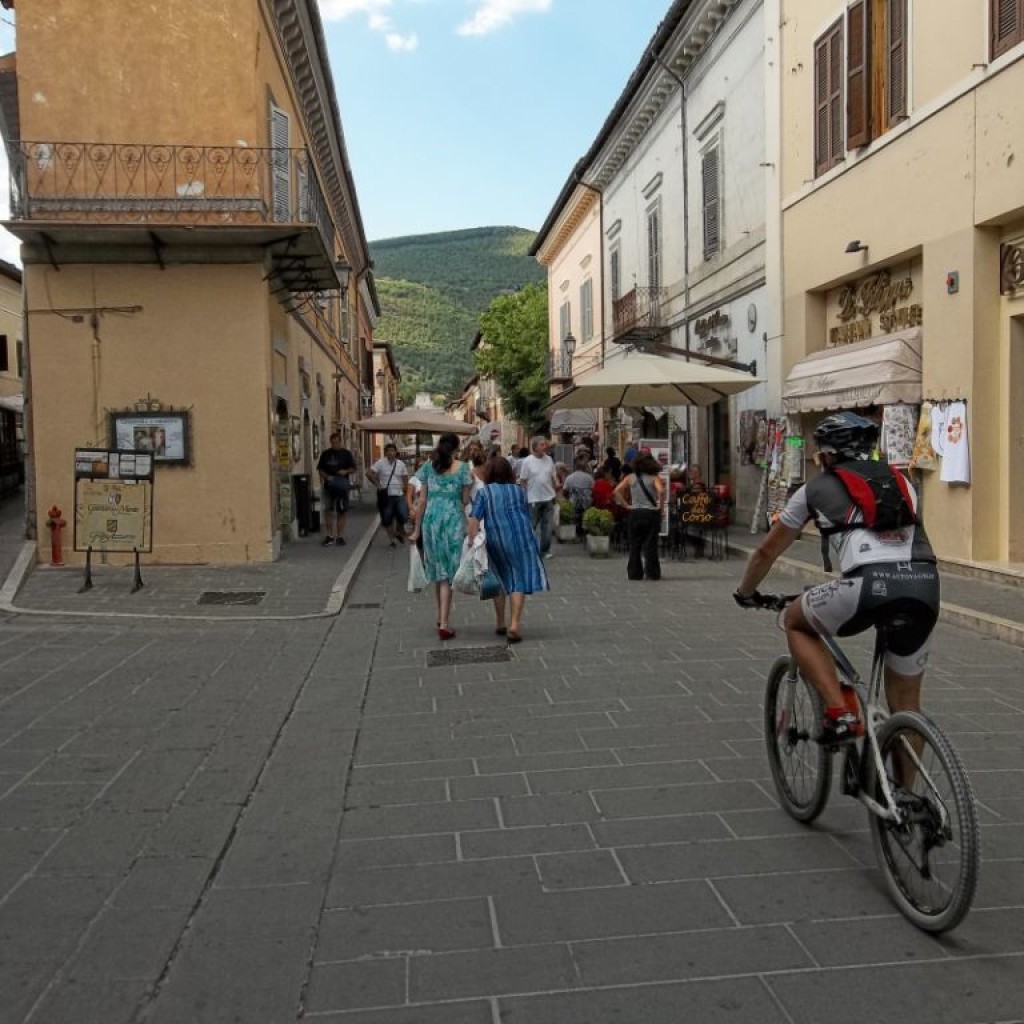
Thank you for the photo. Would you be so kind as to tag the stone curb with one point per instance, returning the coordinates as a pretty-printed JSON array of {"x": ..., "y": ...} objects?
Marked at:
[{"x": 335, "y": 600}]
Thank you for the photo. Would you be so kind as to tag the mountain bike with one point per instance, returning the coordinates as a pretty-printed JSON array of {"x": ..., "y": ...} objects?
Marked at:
[{"x": 903, "y": 769}]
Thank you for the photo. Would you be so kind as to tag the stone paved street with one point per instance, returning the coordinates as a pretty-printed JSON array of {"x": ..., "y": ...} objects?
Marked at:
[{"x": 267, "y": 821}]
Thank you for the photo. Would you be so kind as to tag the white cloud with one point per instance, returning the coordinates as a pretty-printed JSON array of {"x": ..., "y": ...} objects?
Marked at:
[
  {"x": 496, "y": 14},
  {"x": 402, "y": 44},
  {"x": 377, "y": 19}
]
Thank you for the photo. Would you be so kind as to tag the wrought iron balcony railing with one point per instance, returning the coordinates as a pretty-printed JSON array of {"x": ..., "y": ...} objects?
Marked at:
[
  {"x": 636, "y": 316},
  {"x": 559, "y": 367},
  {"x": 126, "y": 183}
]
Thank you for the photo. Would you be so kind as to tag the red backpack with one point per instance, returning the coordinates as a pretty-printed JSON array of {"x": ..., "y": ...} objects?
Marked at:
[{"x": 880, "y": 492}]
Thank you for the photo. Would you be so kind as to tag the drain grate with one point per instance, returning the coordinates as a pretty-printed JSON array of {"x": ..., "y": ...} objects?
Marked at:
[
  {"x": 366, "y": 604},
  {"x": 232, "y": 596},
  {"x": 467, "y": 656}
]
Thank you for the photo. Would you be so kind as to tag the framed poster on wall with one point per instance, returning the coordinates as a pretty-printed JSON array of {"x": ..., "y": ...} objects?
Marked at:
[{"x": 165, "y": 435}]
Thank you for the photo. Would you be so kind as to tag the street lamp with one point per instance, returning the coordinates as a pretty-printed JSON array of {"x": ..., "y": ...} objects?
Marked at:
[
  {"x": 569, "y": 345},
  {"x": 380, "y": 379}
]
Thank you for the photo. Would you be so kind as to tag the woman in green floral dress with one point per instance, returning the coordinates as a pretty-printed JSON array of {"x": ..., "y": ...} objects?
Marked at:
[{"x": 441, "y": 519}]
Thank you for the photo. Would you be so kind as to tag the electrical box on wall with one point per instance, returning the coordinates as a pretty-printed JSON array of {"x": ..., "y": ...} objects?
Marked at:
[{"x": 953, "y": 282}]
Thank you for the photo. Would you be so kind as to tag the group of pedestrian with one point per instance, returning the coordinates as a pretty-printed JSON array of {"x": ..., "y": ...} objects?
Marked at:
[{"x": 456, "y": 499}]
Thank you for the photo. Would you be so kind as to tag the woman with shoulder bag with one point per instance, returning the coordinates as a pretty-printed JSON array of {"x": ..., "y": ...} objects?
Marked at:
[{"x": 642, "y": 493}]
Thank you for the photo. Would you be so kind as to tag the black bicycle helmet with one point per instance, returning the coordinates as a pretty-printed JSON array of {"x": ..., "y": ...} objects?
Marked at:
[{"x": 846, "y": 433}]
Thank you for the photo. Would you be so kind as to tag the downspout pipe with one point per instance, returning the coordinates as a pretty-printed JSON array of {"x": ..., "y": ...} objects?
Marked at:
[{"x": 600, "y": 227}]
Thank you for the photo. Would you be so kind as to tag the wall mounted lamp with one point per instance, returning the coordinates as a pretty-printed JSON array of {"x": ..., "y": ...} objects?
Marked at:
[
  {"x": 856, "y": 246},
  {"x": 569, "y": 345}
]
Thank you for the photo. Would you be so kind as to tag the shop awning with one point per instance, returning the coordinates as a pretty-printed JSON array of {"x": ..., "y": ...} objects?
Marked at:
[
  {"x": 880, "y": 371},
  {"x": 13, "y": 403},
  {"x": 574, "y": 421}
]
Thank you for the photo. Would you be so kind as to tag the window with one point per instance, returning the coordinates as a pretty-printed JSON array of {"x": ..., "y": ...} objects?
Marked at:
[
  {"x": 280, "y": 164},
  {"x": 712, "y": 199},
  {"x": 615, "y": 271},
  {"x": 587, "y": 309},
  {"x": 828, "y": 93},
  {"x": 1007, "y": 17},
  {"x": 4, "y": 359},
  {"x": 564, "y": 320},
  {"x": 875, "y": 76},
  {"x": 654, "y": 245}
]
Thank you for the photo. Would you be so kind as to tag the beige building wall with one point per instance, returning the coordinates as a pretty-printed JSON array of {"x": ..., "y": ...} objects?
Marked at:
[
  {"x": 943, "y": 189},
  {"x": 10, "y": 325},
  {"x": 189, "y": 348}
]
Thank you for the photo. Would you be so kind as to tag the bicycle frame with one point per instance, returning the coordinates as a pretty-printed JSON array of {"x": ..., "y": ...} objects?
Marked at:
[{"x": 869, "y": 696}]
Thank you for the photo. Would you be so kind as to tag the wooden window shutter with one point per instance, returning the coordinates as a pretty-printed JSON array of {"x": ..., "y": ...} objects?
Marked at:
[
  {"x": 712, "y": 202},
  {"x": 828, "y": 89},
  {"x": 4, "y": 359},
  {"x": 1007, "y": 18},
  {"x": 897, "y": 76},
  {"x": 654, "y": 248},
  {"x": 858, "y": 76},
  {"x": 280, "y": 165}
]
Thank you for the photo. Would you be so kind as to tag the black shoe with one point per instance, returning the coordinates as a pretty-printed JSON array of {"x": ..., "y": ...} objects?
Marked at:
[
  {"x": 326, "y": 542},
  {"x": 339, "y": 541},
  {"x": 844, "y": 728}
]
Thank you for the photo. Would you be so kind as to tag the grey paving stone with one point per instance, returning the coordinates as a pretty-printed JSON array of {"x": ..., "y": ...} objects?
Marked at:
[
  {"x": 545, "y": 762},
  {"x": 398, "y": 752},
  {"x": 558, "y": 809},
  {"x": 692, "y": 748},
  {"x": 582, "y": 870},
  {"x": 467, "y": 1012},
  {"x": 983, "y": 989},
  {"x": 367, "y": 853},
  {"x": 510, "y": 842},
  {"x": 357, "y": 984},
  {"x": 720, "y": 858},
  {"x": 258, "y": 859},
  {"x": 199, "y": 830},
  {"x": 685, "y": 799},
  {"x": 735, "y": 1001},
  {"x": 706, "y": 954},
  {"x": 125, "y": 944},
  {"x": 414, "y": 771},
  {"x": 244, "y": 950},
  {"x": 601, "y": 913},
  {"x": 363, "y": 822},
  {"x": 456, "y": 880},
  {"x": 621, "y": 777},
  {"x": 404, "y": 929},
  {"x": 491, "y": 972},
  {"x": 104, "y": 843},
  {"x": 92, "y": 1001},
  {"x": 161, "y": 882},
  {"x": 472, "y": 787},
  {"x": 56, "y": 805},
  {"x": 377, "y": 794},
  {"x": 21, "y": 850}
]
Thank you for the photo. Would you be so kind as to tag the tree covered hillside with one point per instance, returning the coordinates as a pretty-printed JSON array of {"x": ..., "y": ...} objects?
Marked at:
[{"x": 433, "y": 289}]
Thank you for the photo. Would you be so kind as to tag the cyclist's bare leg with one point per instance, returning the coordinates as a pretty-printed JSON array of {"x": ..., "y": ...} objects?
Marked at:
[
  {"x": 903, "y": 693},
  {"x": 812, "y": 656}
]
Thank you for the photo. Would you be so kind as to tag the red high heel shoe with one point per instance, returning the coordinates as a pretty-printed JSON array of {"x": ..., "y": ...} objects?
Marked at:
[{"x": 444, "y": 633}]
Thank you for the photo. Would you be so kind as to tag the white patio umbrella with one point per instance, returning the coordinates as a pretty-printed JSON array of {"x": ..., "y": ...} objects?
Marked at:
[
  {"x": 637, "y": 378},
  {"x": 415, "y": 421}
]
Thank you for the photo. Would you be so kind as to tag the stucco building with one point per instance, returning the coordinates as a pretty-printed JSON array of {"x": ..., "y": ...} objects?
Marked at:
[
  {"x": 12, "y": 437},
  {"x": 902, "y": 197},
  {"x": 195, "y": 264}
]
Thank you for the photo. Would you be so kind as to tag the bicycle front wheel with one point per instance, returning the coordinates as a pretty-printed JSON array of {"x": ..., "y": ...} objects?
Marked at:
[
  {"x": 801, "y": 768},
  {"x": 930, "y": 858}
]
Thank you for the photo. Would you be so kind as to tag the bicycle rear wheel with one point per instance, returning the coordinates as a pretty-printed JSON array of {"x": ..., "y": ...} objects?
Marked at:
[
  {"x": 801, "y": 768},
  {"x": 930, "y": 859}
]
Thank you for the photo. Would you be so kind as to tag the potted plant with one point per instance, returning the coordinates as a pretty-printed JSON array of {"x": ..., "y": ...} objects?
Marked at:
[
  {"x": 598, "y": 524},
  {"x": 566, "y": 521}
]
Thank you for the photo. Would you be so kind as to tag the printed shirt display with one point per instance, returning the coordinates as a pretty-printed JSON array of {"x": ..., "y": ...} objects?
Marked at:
[{"x": 956, "y": 459}]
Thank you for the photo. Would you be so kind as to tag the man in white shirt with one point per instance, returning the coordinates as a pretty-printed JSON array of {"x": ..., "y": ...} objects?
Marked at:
[
  {"x": 389, "y": 476},
  {"x": 538, "y": 475}
]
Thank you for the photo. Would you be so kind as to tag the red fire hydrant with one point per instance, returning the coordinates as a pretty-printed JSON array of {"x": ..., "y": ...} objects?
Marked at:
[{"x": 55, "y": 523}]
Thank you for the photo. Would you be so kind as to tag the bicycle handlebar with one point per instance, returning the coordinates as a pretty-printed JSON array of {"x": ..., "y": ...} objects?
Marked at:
[{"x": 770, "y": 602}]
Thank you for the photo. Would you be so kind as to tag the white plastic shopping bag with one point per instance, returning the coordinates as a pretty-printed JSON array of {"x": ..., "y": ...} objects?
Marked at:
[{"x": 417, "y": 575}]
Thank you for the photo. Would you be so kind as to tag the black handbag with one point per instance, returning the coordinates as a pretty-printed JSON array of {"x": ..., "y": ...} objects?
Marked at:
[{"x": 383, "y": 498}]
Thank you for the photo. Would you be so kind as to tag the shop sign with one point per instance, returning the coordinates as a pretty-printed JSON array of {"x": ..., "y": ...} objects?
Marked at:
[
  {"x": 875, "y": 296},
  {"x": 696, "y": 508},
  {"x": 710, "y": 324},
  {"x": 1011, "y": 267},
  {"x": 113, "y": 500}
]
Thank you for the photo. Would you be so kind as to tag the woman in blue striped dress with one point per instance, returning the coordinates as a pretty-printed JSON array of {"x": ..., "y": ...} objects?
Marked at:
[{"x": 512, "y": 553}]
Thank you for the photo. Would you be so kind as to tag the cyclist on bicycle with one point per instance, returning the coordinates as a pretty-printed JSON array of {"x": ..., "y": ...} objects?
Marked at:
[{"x": 888, "y": 572}]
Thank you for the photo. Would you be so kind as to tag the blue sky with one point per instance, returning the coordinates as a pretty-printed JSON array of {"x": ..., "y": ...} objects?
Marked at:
[{"x": 464, "y": 113}]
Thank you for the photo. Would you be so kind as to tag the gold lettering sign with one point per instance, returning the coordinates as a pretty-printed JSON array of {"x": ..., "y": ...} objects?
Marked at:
[
  {"x": 711, "y": 323},
  {"x": 873, "y": 295},
  {"x": 113, "y": 515}
]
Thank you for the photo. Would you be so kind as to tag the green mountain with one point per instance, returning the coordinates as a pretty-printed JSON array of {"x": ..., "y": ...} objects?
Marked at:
[{"x": 432, "y": 290}]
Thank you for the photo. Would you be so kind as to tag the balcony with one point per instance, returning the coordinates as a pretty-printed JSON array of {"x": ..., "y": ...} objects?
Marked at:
[
  {"x": 636, "y": 317},
  {"x": 559, "y": 368},
  {"x": 86, "y": 202}
]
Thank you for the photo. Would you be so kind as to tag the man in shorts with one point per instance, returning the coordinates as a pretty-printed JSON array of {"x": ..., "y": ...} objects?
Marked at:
[
  {"x": 390, "y": 476},
  {"x": 335, "y": 466},
  {"x": 885, "y": 576}
]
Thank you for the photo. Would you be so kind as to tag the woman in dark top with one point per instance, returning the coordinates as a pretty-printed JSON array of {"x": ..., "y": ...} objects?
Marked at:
[{"x": 642, "y": 493}]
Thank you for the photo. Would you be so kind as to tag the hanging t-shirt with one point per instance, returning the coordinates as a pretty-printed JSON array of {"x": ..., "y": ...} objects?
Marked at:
[
  {"x": 939, "y": 428},
  {"x": 956, "y": 458},
  {"x": 924, "y": 455}
]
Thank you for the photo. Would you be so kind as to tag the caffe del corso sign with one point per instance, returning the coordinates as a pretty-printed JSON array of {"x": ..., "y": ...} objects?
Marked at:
[{"x": 873, "y": 306}]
